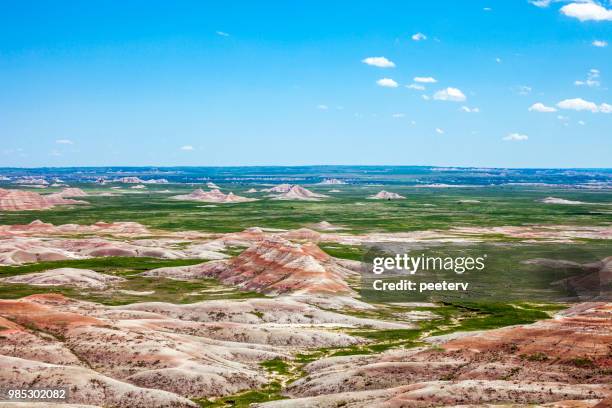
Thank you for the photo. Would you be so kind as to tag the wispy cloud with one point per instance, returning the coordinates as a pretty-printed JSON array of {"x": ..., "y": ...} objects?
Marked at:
[
  {"x": 541, "y": 3},
  {"x": 587, "y": 11},
  {"x": 467, "y": 109},
  {"x": 439, "y": 131},
  {"x": 523, "y": 90},
  {"x": 380, "y": 62},
  {"x": 450, "y": 94},
  {"x": 322, "y": 107},
  {"x": 418, "y": 37},
  {"x": 187, "y": 148},
  {"x": 515, "y": 137},
  {"x": 599, "y": 43},
  {"x": 425, "y": 80},
  {"x": 592, "y": 79},
  {"x": 398, "y": 115},
  {"x": 416, "y": 87},
  {"x": 540, "y": 107},
  {"x": 222, "y": 33},
  {"x": 605, "y": 108},
  {"x": 64, "y": 141},
  {"x": 387, "y": 83}
]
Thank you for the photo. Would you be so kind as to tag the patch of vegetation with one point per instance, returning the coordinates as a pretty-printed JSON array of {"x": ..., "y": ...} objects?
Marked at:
[
  {"x": 583, "y": 362},
  {"x": 388, "y": 335},
  {"x": 535, "y": 357},
  {"x": 351, "y": 252},
  {"x": 494, "y": 315},
  {"x": 277, "y": 366},
  {"x": 270, "y": 392}
]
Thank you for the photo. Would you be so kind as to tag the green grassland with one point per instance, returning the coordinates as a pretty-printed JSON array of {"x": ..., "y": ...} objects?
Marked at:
[{"x": 424, "y": 208}]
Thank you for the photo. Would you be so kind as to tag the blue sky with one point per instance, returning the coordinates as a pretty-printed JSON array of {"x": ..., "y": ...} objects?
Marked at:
[{"x": 285, "y": 83}]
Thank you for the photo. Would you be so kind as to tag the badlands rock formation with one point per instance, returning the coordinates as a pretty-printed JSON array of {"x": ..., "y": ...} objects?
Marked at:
[
  {"x": 386, "y": 195},
  {"x": 17, "y": 200},
  {"x": 281, "y": 188},
  {"x": 129, "y": 180},
  {"x": 555, "y": 200},
  {"x": 212, "y": 196},
  {"x": 326, "y": 226},
  {"x": 273, "y": 266},
  {"x": 19, "y": 250},
  {"x": 565, "y": 358},
  {"x": 81, "y": 278},
  {"x": 299, "y": 193},
  {"x": 332, "y": 181},
  {"x": 71, "y": 192},
  {"x": 38, "y": 227},
  {"x": 138, "y": 180},
  {"x": 157, "y": 354}
]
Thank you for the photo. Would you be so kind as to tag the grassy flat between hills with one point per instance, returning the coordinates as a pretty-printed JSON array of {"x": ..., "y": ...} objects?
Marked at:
[{"x": 423, "y": 209}]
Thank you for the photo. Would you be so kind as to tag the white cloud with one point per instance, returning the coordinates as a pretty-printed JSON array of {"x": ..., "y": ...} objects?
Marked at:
[
  {"x": 419, "y": 37},
  {"x": 523, "y": 90},
  {"x": 387, "y": 83},
  {"x": 64, "y": 141},
  {"x": 540, "y": 107},
  {"x": 426, "y": 97},
  {"x": 439, "y": 131},
  {"x": 322, "y": 107},
  {"x": 541, "y": 3},
  {"x": 605, "y": 108},
  {"x": 469, "y": 110},
  {"x": 425, "y": 80},
  {"x": 380, "y": 62},
  {"x": 187, "y": 148},
  {"x": 55, "y": 153},
  {"x": 515, "y": 137},
  {"x": 450, "y": 94},
  {"x": 487, "y": 9},
  {"x": 398, "y": 115},
  {"x": 599, "y": 43},
  {"x": 592, "y": 79},
  {"x": 416, "y": 87},
  {"x": 577, "y": 104},
  {"x": 581, "y": 122},
  {"x": 562, "y": 118},
  {"x": 586, "y": 11},
  {"x": 498, "y": 60},
  {"x": 222, "y": 33}
]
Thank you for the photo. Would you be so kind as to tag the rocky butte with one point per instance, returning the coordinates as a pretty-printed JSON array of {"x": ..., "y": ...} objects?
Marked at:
[
  {"x": 18, "y": 200},
  {"x": 296, "y": 192},
  {"x": 213, "y": 196},
  {"x": 386, "y": 195}
]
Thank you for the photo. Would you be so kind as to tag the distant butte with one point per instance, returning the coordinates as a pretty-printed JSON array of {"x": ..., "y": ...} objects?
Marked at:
[{"x": 212, "y": 196}]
